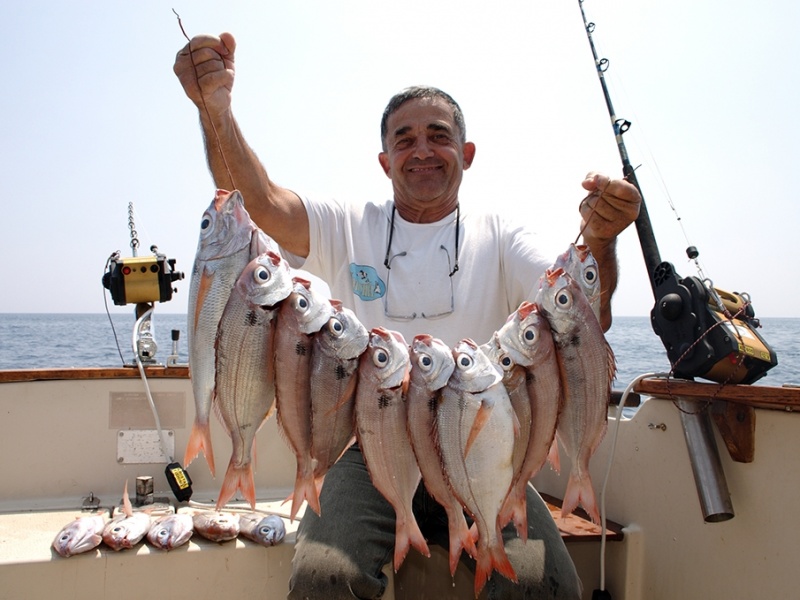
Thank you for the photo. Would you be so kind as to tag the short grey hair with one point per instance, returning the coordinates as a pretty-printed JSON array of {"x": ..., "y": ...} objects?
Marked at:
[{"x": 418, "y": 92}]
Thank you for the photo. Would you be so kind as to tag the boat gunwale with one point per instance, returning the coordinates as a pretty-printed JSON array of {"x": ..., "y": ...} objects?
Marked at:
[{"x": 89, "y": 373}]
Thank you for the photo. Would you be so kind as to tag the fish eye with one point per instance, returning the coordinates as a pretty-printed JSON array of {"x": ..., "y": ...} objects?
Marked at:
[
  {"x": 564, "y": 299},
  {"x": 529, "y": 334},
  {"x": 65, "y": 537},
  {"x": 380, "y": 357},
  {"x": 425, "y": 362},
  {"x": 464, "y": 361},
  {"x": 590, "y": 275},
  {"x": 301, "y": 304},
  {"x": 265, "y": 530},
  {"x": 117, "y": 529},
  {"x": 261, "y": 275},
  {"x": 335, "y": 326},
  {"x": 506, "y": 362},
  {"x": 205, "y": 223}
]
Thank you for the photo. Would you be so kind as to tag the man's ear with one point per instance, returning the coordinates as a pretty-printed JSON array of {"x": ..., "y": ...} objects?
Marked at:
[
  {"x": 383, "y": 158},
  {"x": 469, "y": 154}
]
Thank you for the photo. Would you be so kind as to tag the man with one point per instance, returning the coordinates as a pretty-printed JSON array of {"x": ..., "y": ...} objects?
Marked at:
[{"x": 420, "y": 263}]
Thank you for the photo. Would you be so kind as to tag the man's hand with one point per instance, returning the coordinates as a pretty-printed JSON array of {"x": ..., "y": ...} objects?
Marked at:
[
  {"x": 207, "y": 73},
  {"x": 612, "y": 205}
]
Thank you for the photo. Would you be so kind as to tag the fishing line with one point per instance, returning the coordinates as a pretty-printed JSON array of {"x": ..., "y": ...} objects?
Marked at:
[
  {"x": 203, "y": 98},
  {"x": 641, "y": 142},
  {"x": 108, "y": 312}
]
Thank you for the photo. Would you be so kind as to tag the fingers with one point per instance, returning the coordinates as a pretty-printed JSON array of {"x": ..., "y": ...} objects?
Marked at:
[
  {"x": 206, "y": 63},
  {"x": 610, "y": 207}
]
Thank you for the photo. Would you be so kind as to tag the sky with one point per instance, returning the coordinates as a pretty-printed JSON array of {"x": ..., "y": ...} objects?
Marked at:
[{"x": 93, "y": 119}]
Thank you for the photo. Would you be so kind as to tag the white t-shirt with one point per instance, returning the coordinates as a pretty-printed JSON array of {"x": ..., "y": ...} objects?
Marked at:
[{"x": 499, "y": 266}]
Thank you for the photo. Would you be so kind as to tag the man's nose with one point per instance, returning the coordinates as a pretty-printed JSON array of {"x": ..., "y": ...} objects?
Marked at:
[{"x": 422, "y": 148}]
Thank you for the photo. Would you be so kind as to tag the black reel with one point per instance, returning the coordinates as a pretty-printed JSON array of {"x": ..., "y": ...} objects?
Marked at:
[{"x": 700, "y": 339}]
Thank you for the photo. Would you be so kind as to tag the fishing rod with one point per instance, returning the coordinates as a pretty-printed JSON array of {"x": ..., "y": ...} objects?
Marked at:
[
  {"x": 647, "y": 239},
  {"x": 707, "y": 332}
]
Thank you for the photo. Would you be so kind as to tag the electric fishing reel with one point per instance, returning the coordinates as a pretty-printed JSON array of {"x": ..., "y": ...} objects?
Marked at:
[
  {"x": 141, "y": 278},
  {"x": 707, "y": 332}
]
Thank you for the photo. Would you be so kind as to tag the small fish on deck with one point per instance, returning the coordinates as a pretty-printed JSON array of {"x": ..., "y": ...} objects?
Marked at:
[{"x": 267, "y": 530}]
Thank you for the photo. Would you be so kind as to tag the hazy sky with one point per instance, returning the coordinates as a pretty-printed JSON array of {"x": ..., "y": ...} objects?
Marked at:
[{"x": 93, "y": 118}]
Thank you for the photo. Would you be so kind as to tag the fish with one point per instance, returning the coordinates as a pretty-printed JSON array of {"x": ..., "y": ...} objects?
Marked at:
[
  {"x": 80, "y": 535},
  {"x": 302, "y": 314},
  {"x": 334, "y": 377},
  {"x": 216, "y": 526},
  {"x": 223, "y": 250},
  {"x": 170, "y": 532},
  {"x": 476, "y": 426},
  {"x": 432, "y": 364},
  {"x": 245, "y": 371},
  {"x": 267, "y": 530},
  {"x": 127, "y": 529},
  {"x": 525, "y": 339},
  {"x": 581, "y": 265},
  {"x": 382, "y": 433},
  {"x": 587, "y": 367}
]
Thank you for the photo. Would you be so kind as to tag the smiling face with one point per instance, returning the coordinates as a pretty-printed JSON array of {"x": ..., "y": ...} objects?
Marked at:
[{"x": 425, "y": 159}]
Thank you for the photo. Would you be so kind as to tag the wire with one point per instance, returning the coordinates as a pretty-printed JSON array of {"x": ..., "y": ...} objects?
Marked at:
[
  {"x": 108, "y": 312},
  {"x": 139, "y": 364},
  {"x": 607, "y": 476}
]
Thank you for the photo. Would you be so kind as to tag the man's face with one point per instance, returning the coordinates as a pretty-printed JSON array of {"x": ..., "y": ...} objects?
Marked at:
[{"x": 424, "y": 156}]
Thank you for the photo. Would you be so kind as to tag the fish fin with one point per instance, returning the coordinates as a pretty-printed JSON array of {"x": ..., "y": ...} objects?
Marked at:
[
  {"x": 580, "y": 491},
  {"x": 238, "y": 478},
  {"x": 127, "y": 507},
  {"x": 553, "y": 457},
  {"x": 200, "y": 439},
  {"x": 493, "y": 558},
  {"x": 481, "y": 418},
  {"x": 206, "y": 281}
]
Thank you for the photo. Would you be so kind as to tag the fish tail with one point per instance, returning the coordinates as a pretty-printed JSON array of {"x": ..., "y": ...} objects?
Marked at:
[
  {"x": 493, "y": 558},
  {"x": 238, "y": 478},
  {"x": 515, "y": 509},
  {"x": 408, "y": 534},
  {"x": 305, "y": 488},
  {"x": 580, "y": 491},
  {"x": 553, "y": 457},
  {"x": 460, "y": 540},
  {"x": 200, "y": 440}
]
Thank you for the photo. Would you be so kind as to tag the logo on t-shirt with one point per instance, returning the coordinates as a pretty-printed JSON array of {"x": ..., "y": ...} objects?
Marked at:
[{"x": 366, "y": 283}]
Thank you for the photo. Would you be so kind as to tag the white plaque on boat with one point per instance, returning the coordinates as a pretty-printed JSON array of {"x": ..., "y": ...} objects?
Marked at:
[{"x": 142, "y": 446}]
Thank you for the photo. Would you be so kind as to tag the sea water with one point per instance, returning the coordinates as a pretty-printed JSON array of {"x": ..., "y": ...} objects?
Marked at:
[{"x": 37, "y": 341}]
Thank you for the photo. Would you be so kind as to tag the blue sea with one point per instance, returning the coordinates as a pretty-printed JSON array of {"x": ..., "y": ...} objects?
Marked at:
[{"x": 88, "y": 340}]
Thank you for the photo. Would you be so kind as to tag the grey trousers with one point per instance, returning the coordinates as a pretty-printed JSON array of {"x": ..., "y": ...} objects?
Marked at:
[{"x": 340, "y": 554}]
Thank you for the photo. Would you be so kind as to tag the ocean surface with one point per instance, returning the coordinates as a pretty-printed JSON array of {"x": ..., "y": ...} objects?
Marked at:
[{"x": 88, "y": 340}]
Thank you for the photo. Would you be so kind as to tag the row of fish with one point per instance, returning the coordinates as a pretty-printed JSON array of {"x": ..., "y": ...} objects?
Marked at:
[
  {"x": 475, "y": 422},
  {"x": 166, "y": 532}
]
